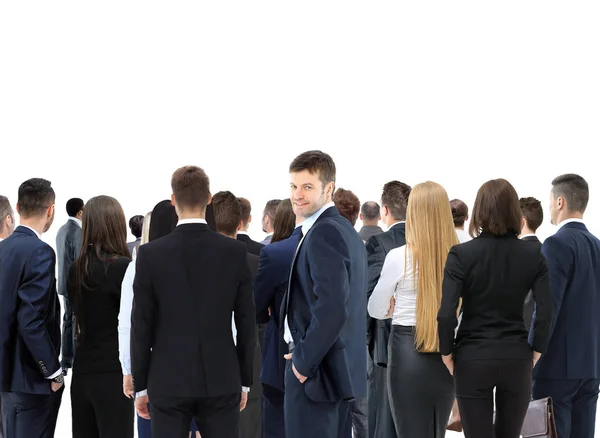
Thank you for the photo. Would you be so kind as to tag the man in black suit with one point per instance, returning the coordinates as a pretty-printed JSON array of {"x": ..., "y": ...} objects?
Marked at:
[
  {"x": 228, "y": 218},
  {"x": 187, "y": 286},
  {"x": 136, "y": 223},
  {"x": 533, "y": 216},
  {"x": 394, "y": 201},
  {"x": 31, "y": 380},
  {"x": 68, "y": 247},
  {"x": 254, "y": 247}
]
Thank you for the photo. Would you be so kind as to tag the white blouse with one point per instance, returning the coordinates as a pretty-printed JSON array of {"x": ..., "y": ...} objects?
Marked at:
[{"x": 398, "y": 280}]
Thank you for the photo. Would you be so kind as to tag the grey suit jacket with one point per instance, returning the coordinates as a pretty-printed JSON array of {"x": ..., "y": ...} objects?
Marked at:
[
  {"x": 68, "y": 247},
  {"x": 134, "y": 244},
  {"x": 267, "y": 240},
  {"x": 368, "y": 231}
]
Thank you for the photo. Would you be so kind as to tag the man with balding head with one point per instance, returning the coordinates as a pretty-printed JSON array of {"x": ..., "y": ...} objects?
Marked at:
[{"x": 370, "y": 216}]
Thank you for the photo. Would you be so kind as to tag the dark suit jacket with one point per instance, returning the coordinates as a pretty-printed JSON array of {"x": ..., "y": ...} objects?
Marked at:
[
  {"x": 529, "y": 301},
  {"x": 187, "y": 285},
  {"x": 253, "y": 246},
  {"x": 327, "y": 307},
  {"x": 256, "y": 388},
  {"x": 68, "y": 247},
  {"x": 269, "y": 289},
  {"x": 378, "y": 330},
  {"x": 29, "y": 314},
  {"x": 573, "y": 258}
]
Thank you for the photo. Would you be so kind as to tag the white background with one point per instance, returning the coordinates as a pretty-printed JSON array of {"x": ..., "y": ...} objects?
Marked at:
[{"x": 110, "y": 98}]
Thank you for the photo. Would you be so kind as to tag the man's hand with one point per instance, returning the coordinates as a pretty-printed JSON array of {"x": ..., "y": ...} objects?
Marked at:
[
  {"x": 243, "y": 401},
  {"x": 56, "y": 386},
  {"x": 390, "y": 312},
  {"x": 141, "y": 406},
  {"x": 128, "y": 386},
  {"x": 299, "y": 376},
  {"x": 536, "y": 357},
  {"x": 449, "y": 362}
]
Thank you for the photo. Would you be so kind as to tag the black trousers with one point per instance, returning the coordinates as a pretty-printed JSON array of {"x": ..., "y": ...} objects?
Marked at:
[
  {"x": 475, "y": 382},
  {"x": 381, "y": 423},
  {"x": 30, "y": 415},
  {"x": 68, "y": 339},
  {"x": 99, "y": 407},
  {"x": 272, "y": 413},
  {"x": 216, "y": 417},
  {"x": 574, "y": 404},
  {"x": 420, "y": 388}
]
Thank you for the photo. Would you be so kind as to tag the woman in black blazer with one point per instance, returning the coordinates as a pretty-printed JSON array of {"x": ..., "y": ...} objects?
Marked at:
[{"x": 493, "y": 274}]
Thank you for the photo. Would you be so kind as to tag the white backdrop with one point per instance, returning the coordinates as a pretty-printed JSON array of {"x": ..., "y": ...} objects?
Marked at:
[{"x": 110, "y": 98}]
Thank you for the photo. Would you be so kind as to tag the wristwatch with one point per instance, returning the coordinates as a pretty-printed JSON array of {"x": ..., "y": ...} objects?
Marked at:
[{"x": 60, "y": 379}]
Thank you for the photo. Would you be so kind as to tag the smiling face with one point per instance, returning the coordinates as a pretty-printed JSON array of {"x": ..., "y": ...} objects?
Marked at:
[{"x": 307, "y": 193}]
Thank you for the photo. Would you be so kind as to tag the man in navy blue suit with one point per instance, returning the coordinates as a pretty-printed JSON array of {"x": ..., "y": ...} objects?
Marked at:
[
  {"x": 570, "y": 371},
  {"x": 31, "y": 381},
  {"x": 324, "y": 310},
  {"x": 270, "y": 285}
]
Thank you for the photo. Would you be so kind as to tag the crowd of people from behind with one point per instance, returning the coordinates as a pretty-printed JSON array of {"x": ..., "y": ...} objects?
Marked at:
[{"x": 318, "y": 331}]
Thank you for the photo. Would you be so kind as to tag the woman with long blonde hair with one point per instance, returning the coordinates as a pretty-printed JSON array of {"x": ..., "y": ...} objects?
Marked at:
[{"x": 420, "y": 388}]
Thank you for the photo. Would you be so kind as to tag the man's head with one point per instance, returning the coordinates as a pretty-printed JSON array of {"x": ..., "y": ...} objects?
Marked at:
[
  {"x": 246, "y": 213},
  {"x": 370, "y": 213},
  {"x": 394, "y": 202},
  {"x": 268, "y": 219},
  {"x": 75, "y": 208},
  {"x": 136, "y": 223},
  {"x": 7, "y": 218},
  {"x": 228, "y": 213},
  {"x": 312, "y": 182},
  {"x": 191, "y": 191},
  {"x": 569, "y": 198},
  {"x": 533, "y": 215},
  {"x": 35, "y": 204},
  {"x": 348, "y": 204}
]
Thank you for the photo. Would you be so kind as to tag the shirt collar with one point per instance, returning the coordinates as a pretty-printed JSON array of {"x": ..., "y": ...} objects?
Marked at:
[
  {"x": 36, "y": 233},
  {"x": 74, "y": 219},
  {"x": 526, "y": 235},
  {"x": 396, "y": 223},
  {"x": 245, "y": 233},
  {"x": 309, "y": 222},
  {"x": 567, "y": 221},
  {"x": 195, "y": 220}
]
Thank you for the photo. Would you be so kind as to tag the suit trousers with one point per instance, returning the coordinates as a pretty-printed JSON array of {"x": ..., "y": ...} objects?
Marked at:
[
  {"x": 381, "y": 423},
  {"x": 216, "y": 417},
  {"x": 30, "y": 415},
  {"x": 574, "y": 404},
  {"x": 68, "y": 338},
  {"x": 359, "y": 413},
  {"x": 475, "y": 382},
  {"x": 420, "y": 388},
  {"x": 272, "y": 414}
]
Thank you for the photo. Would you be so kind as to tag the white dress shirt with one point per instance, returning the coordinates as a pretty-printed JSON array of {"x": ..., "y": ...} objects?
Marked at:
[
  {"x": 463, "y": 236},
  {"x": 125, "y": 319},
  {"x": 523, "y": 236},
  {"x": 306, "y": 225}
]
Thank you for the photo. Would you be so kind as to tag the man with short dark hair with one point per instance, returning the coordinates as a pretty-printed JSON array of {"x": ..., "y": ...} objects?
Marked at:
[
  {"x": 136, "y": 223},
  {"x": 533, "y": 216},
  {"x": 370, "y": 215},
  {"x": 68, "y": 247},
  {"x": 569, "y": 371},
  {"x": 186, "y": 287},
  {"x": 31, "y": 380},
  {"x": 268, "y": 219},
  {"x": 254, "y": 247}
]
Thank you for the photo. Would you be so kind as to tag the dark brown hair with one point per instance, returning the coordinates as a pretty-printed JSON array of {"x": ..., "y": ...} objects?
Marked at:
[
  {"x": 284, "y": 222},
  {"x": 460, "y": 211},
  {"x": 315, "y": 162},
  {"x": 191, "y": 188},
  {"x": 532, "y": 211},
  {"x": 36, "y": 195},
  {"x": 347, "y": 203},
  {"x": 228, "y": 213},
  {"x": 395, "y": 198},
  {"x": 5, "y": 210},
  {"x": 246, "y": 210},
  {"x": 574, "y": 189},
  {"x": 496, "y": 210},
  {"x": 104, "y": 238},
  {"x": 271, "y": 208}
]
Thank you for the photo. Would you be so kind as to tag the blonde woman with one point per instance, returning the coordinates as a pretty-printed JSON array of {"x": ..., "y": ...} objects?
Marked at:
[{"x": 420, "y": 388}]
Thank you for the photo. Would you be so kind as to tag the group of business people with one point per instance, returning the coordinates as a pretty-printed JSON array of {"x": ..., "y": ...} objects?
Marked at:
[{"x": 203, "y": 337}]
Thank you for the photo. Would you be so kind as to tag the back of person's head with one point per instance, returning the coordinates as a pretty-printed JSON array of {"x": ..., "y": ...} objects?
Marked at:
[
  {"x": 395, "y": 198},
  {"x": 146, "y": 229},
  {"x": 191, "y": 189},
  {"x": 496, "y": 210},
  {"x": 532, "y": 211},
  {"x": 7, "y": 217},
  {"x": 285, "y": 221},
  {"x": 460, "y": 212},
  {"x": 228, "y": 213},
  {"x": 135, "y": 225},
  {"x": 315, "y": 162},
  {"x": 163, "y": 220},
  {"x": 347, "y": 204},
  {"x": 271, "y": 208},
  {"x": 246, "y": 210},
  {"x": 574, "y": 190},
  {"x": 370, "y": 211},
  {"x": 430, "y": 234},
  {"x": 74, "y": 206},
  {"x": 36, "y": 197}
]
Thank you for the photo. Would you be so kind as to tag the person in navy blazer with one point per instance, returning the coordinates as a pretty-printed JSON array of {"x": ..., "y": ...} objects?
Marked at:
[
  {"x": 270, "y": 286},
  {"x": 570, "y": 370},
  {"x": 324, "y": 310},
  {"x": 31, "y": 381}
]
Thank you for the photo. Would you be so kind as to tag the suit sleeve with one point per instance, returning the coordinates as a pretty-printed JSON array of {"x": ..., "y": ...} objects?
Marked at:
[
  {"x": 328, "y": 257},
  {"x": 77, "y": 242},
  {"x": 543, "y": 303},
  {"x": 375, "y": 260},
  {"x": 37, "y": 285},
  {"x": 264, "y": 285},
  {"x": 391, "y": 274},
  {"x": 245, "y": 323},
  {"x": 143, "y": 321},
  {"x": 452, "y": 286}
]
